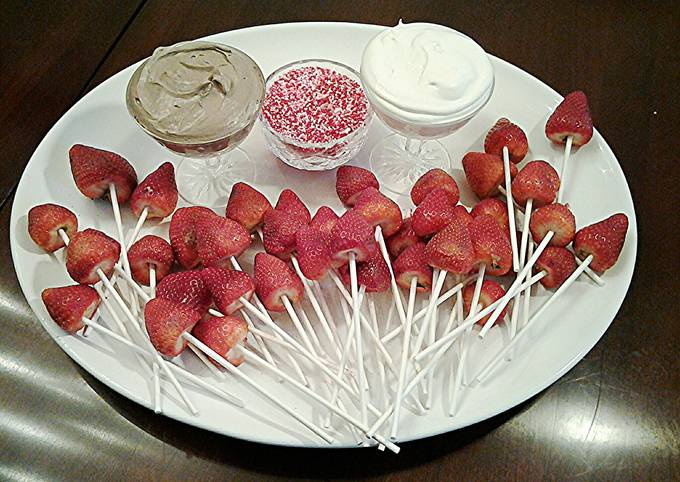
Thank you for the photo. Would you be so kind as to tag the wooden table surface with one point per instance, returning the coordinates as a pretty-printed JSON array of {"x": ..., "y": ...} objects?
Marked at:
[{"x": 621, "y": 403}]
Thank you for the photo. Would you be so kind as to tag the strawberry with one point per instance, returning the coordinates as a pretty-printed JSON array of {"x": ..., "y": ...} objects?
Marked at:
[
  {"x": 495, "y": 208},
  {"x": 539, "y": 181},
  {"x": 374, "y": 274},
  {"x": 461, "y": 215},
  {"x": 227, "y": 287},
  {"x": 325, "y": 218},
  {"x": 290, "y": 203},
  {"x": 350, "y": 181},
  {"x": 166, "y": 321},
  {"x": 218, "y": 239},
  {"x": 558, "y": 263},
  {"x": 491, "y": 245},
  {"x": 44, "y": 223},
  {"x": 435, "y": 179},
  {"x": 604, "y": 240},
  {"x": 313, "y": 252},
  {"x": 490, "y": 292},
  {"x": 556, "y": 218},
  {"x": 273, "y": 280},
  {"x": 187, "y": 288},
  {"x": 505, "y": 133},
  {"x": 413, "y": 262},
  {"x": 157, "y": 192},
  {"x": 351, "y": 234},
  {"x": 433, "y": 214},
  {"x": 222, "y": 334},
  {"x": 183, "y": 235},
  {"x": 247, "y": 206},
  {"x": 402, "y": 239},
  {"x": 571, "y": 118},
  {"x": 150, "y": 250},
  {"x": 484, "y": 173},
  {"x": 451, "y": 249},
  {"x": 378, "y": 209},
  {"x": 68, "y": 305},
  {"x": 278, "y": 233},
  {"x": 89, "y": 251},
  {"x": 95, "y": 169}
]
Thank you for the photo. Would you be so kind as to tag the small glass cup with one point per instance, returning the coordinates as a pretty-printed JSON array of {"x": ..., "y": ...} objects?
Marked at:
[
  {"x": 209, "y": 166},
  {"x": 315, "y": 156}
]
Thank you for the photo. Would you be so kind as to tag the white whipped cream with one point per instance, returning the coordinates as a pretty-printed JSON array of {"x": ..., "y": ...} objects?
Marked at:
[{"x": 425, "y": 73}]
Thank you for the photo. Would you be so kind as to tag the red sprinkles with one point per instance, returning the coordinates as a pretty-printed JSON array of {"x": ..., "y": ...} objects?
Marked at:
[{"x": 315, "y": 105}]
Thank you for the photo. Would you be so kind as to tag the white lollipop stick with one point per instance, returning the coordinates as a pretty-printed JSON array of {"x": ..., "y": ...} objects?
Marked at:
[
  {"x": 390, "y": 316},
  {"x": 526, "y": 302},
  {"x": 133, "y": 321},
  {"x": 512, "y": 291},
  {"x": 121, "y": 237},
  {"x": 456, "y": 314},
  {"x": 499, "y": 356},
  {"x": 438, "y": 278},
  {"x": 261, "y": 345},
  {"x": 565, "y": 163},
  {"x": 358, "y": 343},
  {"x": 511, "y": 210},
  {"x": 212, "y": 368},
  {"x": 522, "y": 259},
  {"x": 396, "y": 294},
  {"x": 406, "y": 343},
  {"x": 177, "y": 369},
  {"x": 138, "y": 225},
  {"x": 152, "y": 288},
  {"x": 330, "y": 406},
  {"x": 378, "y": 358},
  {"x": 152, "y": 280},
  {"x": 298, "y": 324},
  {"x": 316, "y": 287},
  {"x": 247, "y": 379}
]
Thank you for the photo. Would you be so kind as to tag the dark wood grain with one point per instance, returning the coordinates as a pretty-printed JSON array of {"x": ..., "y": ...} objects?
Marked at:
[{"x": 613, "y": 417}]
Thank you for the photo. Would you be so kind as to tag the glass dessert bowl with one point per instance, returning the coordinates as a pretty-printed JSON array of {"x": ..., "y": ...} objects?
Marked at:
[
  {"x": 424, "y": 81},
  {"x": 315, "y": 114},
  {"x": 200, "y": 100}
]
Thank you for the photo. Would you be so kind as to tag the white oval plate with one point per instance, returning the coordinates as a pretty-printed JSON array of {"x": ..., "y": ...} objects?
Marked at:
[{"x": 596, "y": 188}]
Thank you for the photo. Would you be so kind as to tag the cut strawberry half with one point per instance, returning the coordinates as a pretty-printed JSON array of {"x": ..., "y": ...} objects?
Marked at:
[
  {"x": 218, "y": 239},
  {"x": 150, "y": 250},
  {"x": 157, "y": 193},
  {"x": 44, "y": 223},
  {"x": 489, "y": 294},
  {"x": 571, "y": 119},
  {"x": 451, "y": 249},
  {"x": 89, "y": 251},
  {"x": 492, "y": 246},
  {"x": 324, "y": 219},
  {"x": 379, "y": 210},
  {"x": 461, "y": 215},
  {"x": 412, "y": 262},
  {"x": 186, "y": 288},
  {"x": 350, "y": 181},
  {"x": 290, "y": 203},
  {"x": 539, "y": 181},
  {"x": 435, "y": 179},
  {"x": 313, "y": 251},
  {"x": 166, "y": 321},
  {"x": 495, "y": 208},
  {"x": 374, "y": 274},
  {"x": 95, "y": 169},
  {"x": 604, "y": 240},
  {"x": 484, "y": 173},
  {"x": 68, "y": 305},
  {"x": 278, "y": 233},
  {"x": 183, "y": 235},
  {"x": 556, "y": 218},
  {"x": 227, "y": 287},
  {"x": 558, "y": 263},
  {"x": 351, "y": 235},
  {"x": 506, "y": 134},
  {"x": 221, "y": 334},
  {"x": 274, "y": 280},
  {"x": 247, "y": 206},
  {"x": 402, "y": 239},
  {"x": 433, "y": 214}
]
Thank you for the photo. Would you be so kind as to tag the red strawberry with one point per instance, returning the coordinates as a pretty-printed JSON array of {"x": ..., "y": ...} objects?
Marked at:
[
  {"x": 150, "y": 250},
  {"x": 218, "y": 239},
  {"x": 290, "y": 203},
  {"x": 505, "y": 133},
  {"x": 374, "y": 274},
  {"x": 538, "y": 181},
  {"x": 435, "y": 179},
  {"x": 227, "y": 287},
  {"x": 433, "y": 214},
  {"x": 158, "y": 193},
  {"x": 351, "y": 234},
  {"x": 186, "y": 288},
  {"x": 183, "y": 235},
  {"x": 313, "y": 251},
  {"x": 413, "y": 262},
  {"x": 402, "y": 239},
  {"x": 604, "y": 240},
  {"x": 247, "y": 206},
  {"x": 88, "y": 251},
  {"x": 68, "y": 305},
  {"x": 490, "y": 292},
  {"x": 279, "y": 231},
  {"x": 484, "y": 173},
  {"x": 571, "y": 118},
  {"x": 273, "y": 280},
  {"x": 491, "y": 244},
  {"x": 166, "y": 321},
  {"x": 495, "y": 208},
  {"x": 350, "y": 181},
  {"x": 556, "y": 218},
  {"x": 461, "y": 215},
  {"x": 378, "y": 209},
  {"x": 94, "y": 169},
  {"x": 451, "y": 249},
  {"x": 558, "y": 263},
  {"x": 325, "y": 218},
  {"x": 44, "y": 223},
  {"x": 221, "y": 334}
]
